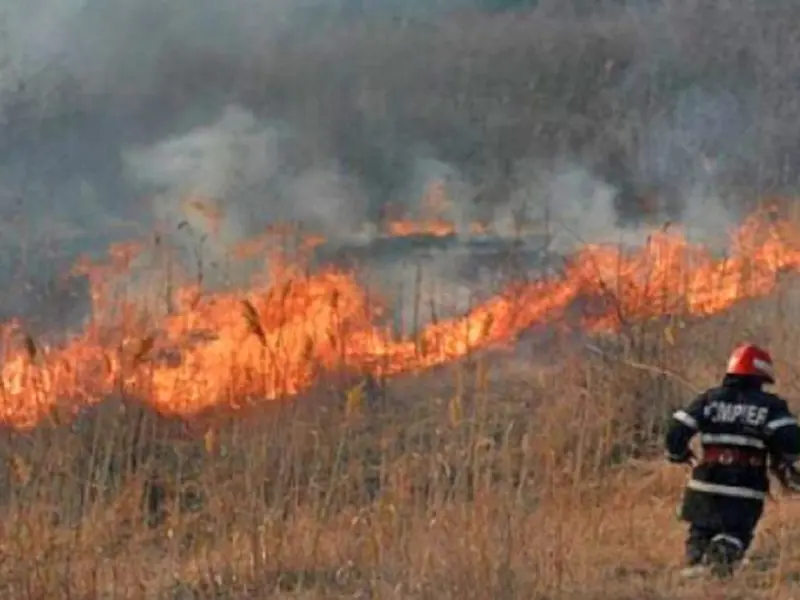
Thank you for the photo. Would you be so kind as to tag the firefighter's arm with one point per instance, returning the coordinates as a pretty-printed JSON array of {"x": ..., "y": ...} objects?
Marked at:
[
  {"x": 684, "y": 424},
  {"x": 783, "y": 439}
]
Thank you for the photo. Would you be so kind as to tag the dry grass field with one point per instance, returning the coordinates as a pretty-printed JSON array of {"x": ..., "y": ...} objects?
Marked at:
[
  {"x": 274, "y": 442},
  {"x": 528, "y": 469}
]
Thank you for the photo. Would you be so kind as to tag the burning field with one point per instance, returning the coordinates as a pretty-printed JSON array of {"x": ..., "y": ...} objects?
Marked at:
[
  {"x": 296, "y": 324},
  {"x": 281, "y": 376},
  {"x": 481, "y": 469}
]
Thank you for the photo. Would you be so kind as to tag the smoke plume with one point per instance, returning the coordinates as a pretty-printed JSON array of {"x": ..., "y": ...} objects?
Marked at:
[{"x": 596, "y": 118}]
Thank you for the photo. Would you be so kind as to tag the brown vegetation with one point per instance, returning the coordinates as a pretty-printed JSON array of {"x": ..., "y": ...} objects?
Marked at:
[{"x": 530, "y": 474}]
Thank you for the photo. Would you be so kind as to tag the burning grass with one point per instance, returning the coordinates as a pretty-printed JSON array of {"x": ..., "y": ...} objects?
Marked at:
[
  {"x": 476, "y": 481},
  {"x": 479, "y": 473}
]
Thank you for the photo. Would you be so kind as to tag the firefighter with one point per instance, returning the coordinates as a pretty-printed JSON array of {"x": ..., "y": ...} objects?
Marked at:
[{"x": 745, "y": 433}]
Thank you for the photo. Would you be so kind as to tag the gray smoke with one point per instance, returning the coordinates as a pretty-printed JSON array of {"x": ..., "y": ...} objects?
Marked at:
[
  {"x": 593, "y": 119},
  {"x": 246, "y": 166}
]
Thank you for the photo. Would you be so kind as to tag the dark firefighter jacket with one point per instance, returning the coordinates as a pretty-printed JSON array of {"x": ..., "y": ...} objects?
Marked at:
[{"x": 744, "y": 431}]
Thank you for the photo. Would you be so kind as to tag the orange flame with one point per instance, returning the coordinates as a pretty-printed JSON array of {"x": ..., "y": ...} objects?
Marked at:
[
  {"x": 433, "y": 205},
  {"x": 226, "y": 349}
]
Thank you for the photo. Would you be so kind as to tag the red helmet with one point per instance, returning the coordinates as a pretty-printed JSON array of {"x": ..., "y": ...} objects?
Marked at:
[{"x": 749, "y": 359}]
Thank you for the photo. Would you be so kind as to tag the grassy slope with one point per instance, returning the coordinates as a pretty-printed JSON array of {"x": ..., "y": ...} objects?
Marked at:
[
  {"x": 494, "y": 478},
  {"x": 532, "y": 483}
]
